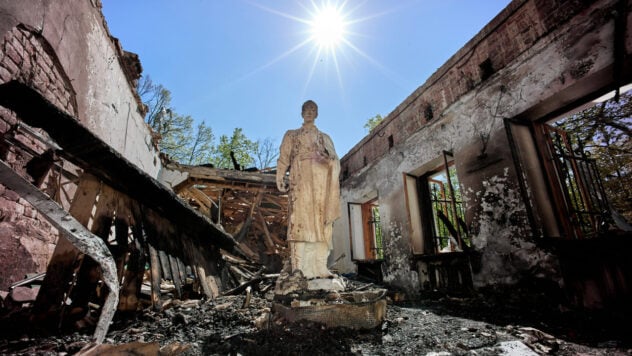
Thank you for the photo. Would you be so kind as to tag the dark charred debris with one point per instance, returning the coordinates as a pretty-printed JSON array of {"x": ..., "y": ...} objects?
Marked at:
[{"x": 488, "y": 322}]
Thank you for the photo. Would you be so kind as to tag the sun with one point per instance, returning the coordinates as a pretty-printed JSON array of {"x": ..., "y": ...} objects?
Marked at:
[{"x": 328, "y": 27}]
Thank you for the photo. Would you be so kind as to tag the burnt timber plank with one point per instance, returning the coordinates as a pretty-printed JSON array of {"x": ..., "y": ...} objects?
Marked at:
[
  {"x": 83, "y": 148},
  {"x": 66, "y": 258},
  {"x": 218, "y": 174},
  {"x": 76, "y": 233},
  {"x": 154, "y": 265},
  {"x": 175, "y": 274}
]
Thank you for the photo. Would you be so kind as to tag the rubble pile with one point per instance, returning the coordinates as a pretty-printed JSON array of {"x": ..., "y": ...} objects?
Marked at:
[{"x": 242, "y": 324}]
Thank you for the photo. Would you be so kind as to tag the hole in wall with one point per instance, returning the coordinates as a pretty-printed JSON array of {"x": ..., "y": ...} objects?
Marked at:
[{"x": 487, "y": 69}]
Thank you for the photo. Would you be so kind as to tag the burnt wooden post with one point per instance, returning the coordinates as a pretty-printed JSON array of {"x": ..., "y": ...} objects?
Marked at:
[
  {"x": 164, "y": 264},
  {"x": 175, "y": 274},
  {"x": 66, "y": 261},
  {"x": 77, "y": 234},
  {"x": 154, "y": 266},
  {"x": 208, "y": 283},
  {"x": 271, "y": 248}
]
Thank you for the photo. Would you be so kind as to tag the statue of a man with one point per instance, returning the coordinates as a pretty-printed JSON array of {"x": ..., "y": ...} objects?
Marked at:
[{"x": 314, "y": 193}]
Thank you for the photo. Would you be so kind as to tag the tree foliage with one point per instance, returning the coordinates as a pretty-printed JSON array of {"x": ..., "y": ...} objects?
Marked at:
[
  {"x": 241, "y": 147},
  {"x": 604, "y": 131},
  {"x": 373, "y": 122},
  {"x": 192, "y": 144},
  {"x": 178, "y": 139}
]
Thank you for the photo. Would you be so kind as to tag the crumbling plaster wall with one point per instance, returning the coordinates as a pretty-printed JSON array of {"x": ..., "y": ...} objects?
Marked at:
[
  {"x": 544, "y": 55},
  {"x": 64, "y": 51},
  {"x": 94, "y": 65}
]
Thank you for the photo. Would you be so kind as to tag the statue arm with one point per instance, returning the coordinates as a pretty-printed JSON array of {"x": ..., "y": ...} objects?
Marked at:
[
  {"x": 283, "y": 163},
  {"x": 329, "y": 146},
  {"x": 332, "y": 211}
]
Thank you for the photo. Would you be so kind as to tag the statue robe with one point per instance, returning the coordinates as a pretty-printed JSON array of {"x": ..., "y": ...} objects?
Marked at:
[{"x": 314, "y": 188}]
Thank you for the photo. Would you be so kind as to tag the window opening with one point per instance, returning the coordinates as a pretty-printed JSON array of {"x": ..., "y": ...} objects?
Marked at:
[
  {"x": 448, "y": 212},
  {"x": 577, "y": 169},
  {"x": 375, "y": 228},
  {"x": 366, "y": 231},
  {"x": 581, "y": 186}
]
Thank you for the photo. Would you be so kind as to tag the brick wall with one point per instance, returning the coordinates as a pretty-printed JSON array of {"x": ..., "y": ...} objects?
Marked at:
[
  {"x": 25, "y": 56},
  {"x": 500, "y": 42},
  {"x": 27, "y": 240}
]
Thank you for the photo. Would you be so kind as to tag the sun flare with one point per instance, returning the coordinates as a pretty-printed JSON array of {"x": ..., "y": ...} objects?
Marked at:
[
  {"x": 328, "y": 34},
  {"x": 328, "y": 27}
]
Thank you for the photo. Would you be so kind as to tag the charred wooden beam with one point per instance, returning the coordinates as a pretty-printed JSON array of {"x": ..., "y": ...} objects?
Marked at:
[
  {"x": 246, "y": 227},
  {"x": 209, "y": 286},
  {"x": 77, "y": 234},
  {"x": 155, "y": 278},
  {"x": 266, "y": 233},
  {"x": 208, "y": 173},
  {"x": 67, "y": 259},
  {"x": 164, "y": 263},
  {"x": 83, "y": 148},
  {"x": 239, "y": 186},
  {"x": 175, "y": 274}
]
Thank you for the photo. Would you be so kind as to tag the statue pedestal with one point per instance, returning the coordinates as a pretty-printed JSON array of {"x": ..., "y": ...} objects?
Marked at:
[
  {"x": 335, "y": 284},
  {"x": 324, "y": 300}
]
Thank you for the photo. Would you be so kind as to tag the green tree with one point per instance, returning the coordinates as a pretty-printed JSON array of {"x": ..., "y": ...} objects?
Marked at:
[
  {"x": 604, "y": 131},
  {"x": 373, "y": 122},
  {"x": 241, "y": 147},
  {"x": 178, "y": 138},
  {"x": 176, "y": 132}
]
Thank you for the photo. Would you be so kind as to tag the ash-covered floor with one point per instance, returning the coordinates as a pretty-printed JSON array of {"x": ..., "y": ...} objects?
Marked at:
[{"x": 505, "y": 324}]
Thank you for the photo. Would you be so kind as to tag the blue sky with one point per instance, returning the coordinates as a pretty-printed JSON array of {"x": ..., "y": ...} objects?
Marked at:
[{"x": 250, "y": 64}]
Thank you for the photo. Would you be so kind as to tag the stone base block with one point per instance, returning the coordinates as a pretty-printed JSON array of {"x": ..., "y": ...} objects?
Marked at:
[{"x": 354, "y": 310}]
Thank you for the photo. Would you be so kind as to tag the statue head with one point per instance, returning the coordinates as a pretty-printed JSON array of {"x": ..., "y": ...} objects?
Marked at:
[{"x": 309, "y": 111}]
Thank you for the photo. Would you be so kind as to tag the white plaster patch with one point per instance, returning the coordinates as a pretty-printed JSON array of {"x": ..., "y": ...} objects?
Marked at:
[{"x": 502, "y": 226}]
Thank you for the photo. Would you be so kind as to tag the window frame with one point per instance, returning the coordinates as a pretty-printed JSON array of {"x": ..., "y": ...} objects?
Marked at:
[
  {"x": 363, "y": 228},
  {"x": 424, "y": 223},
  {"x": 551, "y": 215}
]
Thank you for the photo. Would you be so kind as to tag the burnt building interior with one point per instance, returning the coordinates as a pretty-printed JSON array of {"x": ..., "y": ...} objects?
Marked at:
[{"x": 466, "y": 188}]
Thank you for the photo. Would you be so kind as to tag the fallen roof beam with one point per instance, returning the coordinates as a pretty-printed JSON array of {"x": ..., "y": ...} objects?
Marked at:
[
  {"x": 237, "y": 186},
  {"x": 83, "y": 148},
  {"x": 208, "y": 173},
  {"x": 77, "y": 234}
]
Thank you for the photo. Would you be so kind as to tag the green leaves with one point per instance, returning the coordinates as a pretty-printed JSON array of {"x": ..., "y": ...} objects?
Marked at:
[
  {"x": 242, "y": 148},
  {"x": 373, "y": 122},
  {"x": 194, "y": 144}
]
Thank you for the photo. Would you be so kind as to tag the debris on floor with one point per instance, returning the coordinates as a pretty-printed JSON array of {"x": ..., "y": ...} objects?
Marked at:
[{"x": 243, "y": 324}]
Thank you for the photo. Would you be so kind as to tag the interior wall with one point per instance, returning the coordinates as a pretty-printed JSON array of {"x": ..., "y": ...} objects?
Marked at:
[
  {"x": 94, "y": 65},
  {"x": 558, "y": 63},
  {"x": 64, "y": 51}
]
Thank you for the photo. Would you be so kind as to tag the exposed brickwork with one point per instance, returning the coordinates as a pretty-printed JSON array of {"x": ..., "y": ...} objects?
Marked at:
[
  {"x": 25, "y": 56},
  {"x": 28, "y": 240},
  {"x": 512, "y": 32}
]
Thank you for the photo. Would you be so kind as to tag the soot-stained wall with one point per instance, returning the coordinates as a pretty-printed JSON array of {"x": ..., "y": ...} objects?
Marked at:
[{"x": 534, "y": 60}]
